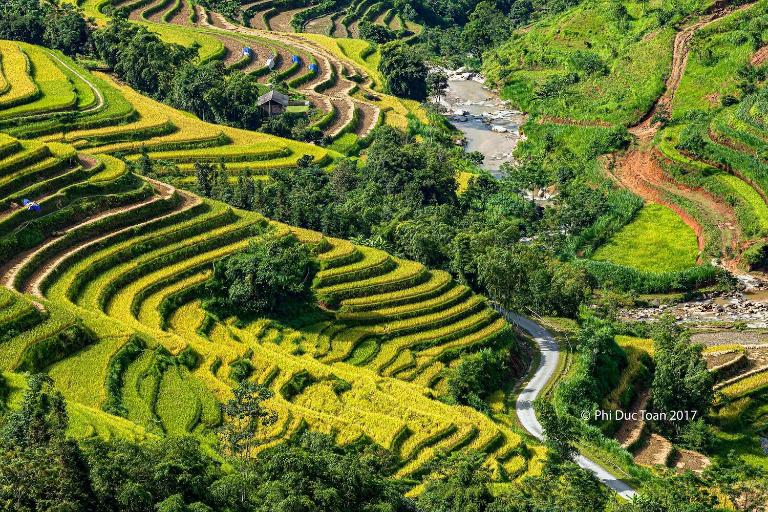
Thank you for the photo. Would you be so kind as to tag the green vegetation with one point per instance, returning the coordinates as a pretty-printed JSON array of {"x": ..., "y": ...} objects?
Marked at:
[
  {"x": 657, "y": 240},
  {"x": 601, "y": 61},
  {"x": 268, "y": 276}
]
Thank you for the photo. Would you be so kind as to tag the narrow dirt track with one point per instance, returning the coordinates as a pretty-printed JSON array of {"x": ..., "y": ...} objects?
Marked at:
[
  {"x": 10, "y": 269},
  {"x": 639, "y": 169},
  {"x": 36, "y": 279}
]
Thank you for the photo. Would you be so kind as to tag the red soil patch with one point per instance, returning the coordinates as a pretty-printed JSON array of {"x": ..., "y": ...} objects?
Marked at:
[
  {"x": 760, "y": 56},
  {"x": 639, "y": 169},
  {"x": 641, "y": 173}
]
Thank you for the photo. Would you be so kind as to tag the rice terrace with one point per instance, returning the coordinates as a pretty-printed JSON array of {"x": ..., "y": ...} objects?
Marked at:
[{"x": 383, "y": 255}]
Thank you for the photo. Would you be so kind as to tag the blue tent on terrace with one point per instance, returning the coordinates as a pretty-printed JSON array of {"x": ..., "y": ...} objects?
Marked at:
[{"x": 31, "y": 206}]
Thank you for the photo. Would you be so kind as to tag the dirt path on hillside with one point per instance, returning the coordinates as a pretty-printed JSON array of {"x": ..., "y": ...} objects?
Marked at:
[
  {"x": 10, "y": 269},
  {"x": 639, "y": 169},
  {"x": 35, "y": 281}
]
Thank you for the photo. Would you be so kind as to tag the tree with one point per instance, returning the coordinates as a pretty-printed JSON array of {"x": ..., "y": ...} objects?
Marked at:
[
  {"x": 66, "y": 29},
  {"x": 570, "y": 288},
  {"x": 313, "y": 473},
  {"x": 744, "y": 484},
  {"x": 597, "y": 368},
  {"x": 681, "y": 381},
  {"x": 144, "y": 164},
  {"x": 404, "y": 71},
  {"x": 191, "y": 85},
  {"x": 205, "y": 174},
  {"x": 23, "y": 20},
  {"x": 673, "y": 493},
  {"x": 487, "y": 27},
  {"x": 560, "y": 431},
  {"x": 477, "y": 376},
  {"x": 42, "y": 469},
  {"x": 561, "y": 487},
  {"x": 437, "y": 83},
  {"x": 460, "y": 485},
  {"x": 246, "y": 416},
  {"x": 271, "y": 275},
  {"x": 517, "y": 278},
  {"x": 139, "y": 57},
  {"x": 3, "y": 392},
  {"x": 41, "y": 419},
  {"x": 376, "y": 33},
  {"x": 232, "y": 103}
]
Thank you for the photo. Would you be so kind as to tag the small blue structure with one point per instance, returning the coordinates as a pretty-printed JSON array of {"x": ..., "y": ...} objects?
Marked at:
[
  {"x": 314, "y": 67},
  {"x": 248, "y": 52},
  {"x": 296, "y": 59},
  {"x": 31, "y": 206}
]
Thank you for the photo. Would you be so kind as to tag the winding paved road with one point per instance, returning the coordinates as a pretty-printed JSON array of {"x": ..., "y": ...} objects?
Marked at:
[{"x": 550, "y": 354}]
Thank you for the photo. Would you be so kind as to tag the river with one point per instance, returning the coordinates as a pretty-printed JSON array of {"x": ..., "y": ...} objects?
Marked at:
[{"x": 480, "y": 115}]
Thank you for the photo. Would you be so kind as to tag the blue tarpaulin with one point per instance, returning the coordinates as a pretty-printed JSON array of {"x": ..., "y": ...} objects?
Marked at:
[
  {"x": 247, "y": 51},
  {"x": 296, "y": 59},
  {"x": 314, "y": 67},
  {"x": 31, "y": 205}
]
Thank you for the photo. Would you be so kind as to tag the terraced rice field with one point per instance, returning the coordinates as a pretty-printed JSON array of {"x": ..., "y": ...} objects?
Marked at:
[
  {"x": 657, "y": 240},
  {"x": 101, "y": 276},
  {"x": 101, "y": 290},
  {"x": 342, "y": 107}
]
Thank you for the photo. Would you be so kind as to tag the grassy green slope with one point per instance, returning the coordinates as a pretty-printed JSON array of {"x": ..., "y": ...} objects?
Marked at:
[{"x": 541, "y": 69}]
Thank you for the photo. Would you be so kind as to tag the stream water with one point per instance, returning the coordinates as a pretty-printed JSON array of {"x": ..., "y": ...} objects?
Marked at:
[{"x": 487, "y": 123}]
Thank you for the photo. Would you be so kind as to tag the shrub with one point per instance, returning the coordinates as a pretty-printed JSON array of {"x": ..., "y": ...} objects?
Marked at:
[
  {"x": 240, "y": 369},
  {"x": 43, "y": 354},
  {"x": 477, "y": 376},
  {"x": 127, "y": 354}
]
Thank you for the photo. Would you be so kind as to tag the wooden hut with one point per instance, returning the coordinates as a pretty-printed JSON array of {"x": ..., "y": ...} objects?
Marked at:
[{"x": 273, "y": 102}]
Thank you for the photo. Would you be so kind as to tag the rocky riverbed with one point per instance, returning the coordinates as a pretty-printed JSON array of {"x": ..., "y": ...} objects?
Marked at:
[
  {"x": 485, "y": 120},
  {"x": 747, "y": 307}
]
